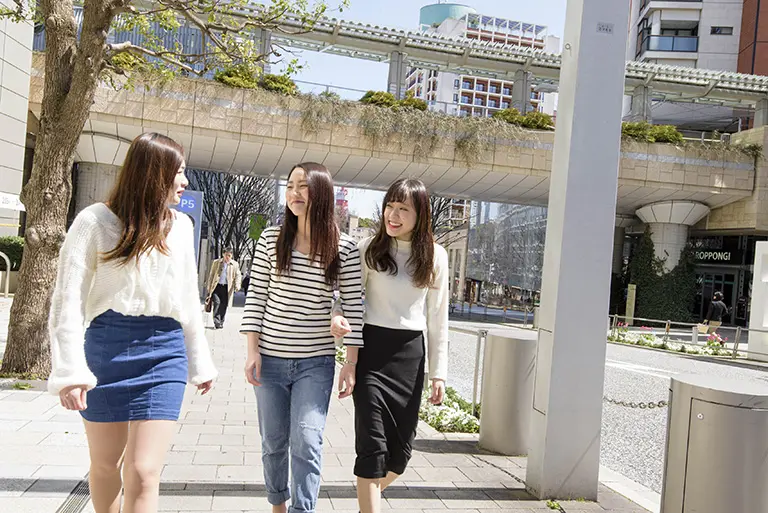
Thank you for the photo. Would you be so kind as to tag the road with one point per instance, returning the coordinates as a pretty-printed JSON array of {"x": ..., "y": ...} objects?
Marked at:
[{"x": 632, "y": 439}]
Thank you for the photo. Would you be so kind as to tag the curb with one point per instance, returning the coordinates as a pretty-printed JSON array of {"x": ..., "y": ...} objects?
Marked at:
[
  {"x": 635, "y": 492},
  {"x": 724, "y": 360}
]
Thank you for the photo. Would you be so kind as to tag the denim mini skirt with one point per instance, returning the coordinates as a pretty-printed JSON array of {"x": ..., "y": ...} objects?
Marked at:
[{"x": 140, "y": 363}]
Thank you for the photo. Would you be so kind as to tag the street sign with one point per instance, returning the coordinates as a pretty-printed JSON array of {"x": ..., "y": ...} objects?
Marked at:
[
  {"x": 10, "y": 201},
  {"x": 192, "y": 205}
]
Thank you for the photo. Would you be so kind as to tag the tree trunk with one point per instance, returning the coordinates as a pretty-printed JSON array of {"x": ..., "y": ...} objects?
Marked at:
[{"x": 71, "y": 78}]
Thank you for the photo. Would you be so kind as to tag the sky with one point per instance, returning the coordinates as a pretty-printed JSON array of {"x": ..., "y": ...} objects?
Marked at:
[{"x": 364, "y": 75}]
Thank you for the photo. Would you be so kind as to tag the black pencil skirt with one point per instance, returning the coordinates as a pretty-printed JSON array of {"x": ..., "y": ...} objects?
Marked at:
[{"x": 390, "y": 380}]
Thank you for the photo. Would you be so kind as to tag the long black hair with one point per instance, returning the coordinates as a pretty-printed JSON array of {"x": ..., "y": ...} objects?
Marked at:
[
  {"x": 324, "y": 233},
  {"x": 420, "y": 265}
]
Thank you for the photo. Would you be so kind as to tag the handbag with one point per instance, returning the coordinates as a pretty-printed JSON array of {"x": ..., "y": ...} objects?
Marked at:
[
  {"x": 209, "y": 304},
  {"x": 703, "y": 328}
]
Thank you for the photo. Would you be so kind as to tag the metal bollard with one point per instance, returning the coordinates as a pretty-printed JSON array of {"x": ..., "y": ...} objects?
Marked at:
[
  {"x": 695, "y": 336},
  {"x": 736, "y": 341},
  {"x": 481, "y": 334},
  {"x": 666, "y": 331}
]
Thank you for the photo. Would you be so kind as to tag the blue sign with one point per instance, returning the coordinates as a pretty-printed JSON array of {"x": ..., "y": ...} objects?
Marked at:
[{"x": 192, "y": 205}]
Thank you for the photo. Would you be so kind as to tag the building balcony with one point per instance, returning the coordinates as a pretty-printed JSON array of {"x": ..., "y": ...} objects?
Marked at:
[
  {"x": 645, "y": 3},
  {"x": 688, "y": 44}
]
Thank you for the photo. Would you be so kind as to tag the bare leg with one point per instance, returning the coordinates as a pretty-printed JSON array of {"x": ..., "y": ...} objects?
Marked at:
[
  {"x": 369, "y": 492},
  {"x": 148, "y": 442},
  {"x": 106, "y": 445}
]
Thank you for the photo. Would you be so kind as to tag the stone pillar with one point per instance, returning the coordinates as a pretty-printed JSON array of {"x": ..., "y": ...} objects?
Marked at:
[
  {"x": 94, "y": 183},
  {"x": 462, "y": 256},
  {"x": 564, "y": 457},
  {"x": 669, "y": 222},
  {"x": 619, "y": 231},
  {"x": 641, "y": 105},
  {"x": 397, "y": 71},
  {"x": 15, "y": 66},
  {"x": 761, "y": 113},
  {"x": 521, "y": 91},
  {"x": 265, "y": 47}
]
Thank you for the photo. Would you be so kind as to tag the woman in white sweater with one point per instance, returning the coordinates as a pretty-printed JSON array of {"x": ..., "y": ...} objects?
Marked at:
[
  {"x": 126, "y": 326},
  {"x": 405, "y": 277}
]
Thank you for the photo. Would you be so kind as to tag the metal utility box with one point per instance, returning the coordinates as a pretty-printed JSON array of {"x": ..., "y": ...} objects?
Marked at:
[
  {"x": 717, "y": 447},
  {"x": 509, "y": 363}
]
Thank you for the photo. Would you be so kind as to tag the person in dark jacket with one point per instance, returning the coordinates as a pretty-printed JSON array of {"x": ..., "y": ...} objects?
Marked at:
[{"x": 717, "y": 310}]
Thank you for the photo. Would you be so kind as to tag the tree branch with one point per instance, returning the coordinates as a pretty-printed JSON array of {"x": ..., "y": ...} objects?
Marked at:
[{"x": 127, "y": 46}]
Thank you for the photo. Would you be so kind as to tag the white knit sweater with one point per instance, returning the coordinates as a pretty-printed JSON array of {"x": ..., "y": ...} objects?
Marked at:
[
  {"x": 394, "y": 302},
  {"x": 86, "y": 286}
]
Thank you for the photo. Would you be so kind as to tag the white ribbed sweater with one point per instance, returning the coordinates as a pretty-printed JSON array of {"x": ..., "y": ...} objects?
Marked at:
[
  {"x": 159, "y": 285},
  {"x": 392, "y": 301}
]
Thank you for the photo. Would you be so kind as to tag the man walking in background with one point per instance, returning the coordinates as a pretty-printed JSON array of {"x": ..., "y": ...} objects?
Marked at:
[{"x": 223, "y": 280}]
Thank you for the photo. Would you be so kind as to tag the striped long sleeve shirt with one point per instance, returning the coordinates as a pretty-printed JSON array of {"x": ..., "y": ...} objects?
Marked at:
[{"x": 292, "y": 311}]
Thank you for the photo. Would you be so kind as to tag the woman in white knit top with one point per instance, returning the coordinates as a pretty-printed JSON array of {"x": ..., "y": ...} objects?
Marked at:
[
  {"x": 126, "y": 326},
  {"x": 405, "y": 277}
]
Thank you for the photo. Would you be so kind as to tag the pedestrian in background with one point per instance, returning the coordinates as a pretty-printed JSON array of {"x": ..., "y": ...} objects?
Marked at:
[
  {"x": 717, "y": 309},
  {"x": 224, "y": 279},
  {"x": 126, "y": 325}
]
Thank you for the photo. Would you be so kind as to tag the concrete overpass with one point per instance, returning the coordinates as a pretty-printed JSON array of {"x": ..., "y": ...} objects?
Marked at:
[{"x": 259, "y": 133}]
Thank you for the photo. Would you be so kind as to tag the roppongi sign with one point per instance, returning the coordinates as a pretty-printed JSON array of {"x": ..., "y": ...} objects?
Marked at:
[{"x": 714, "y": 256}]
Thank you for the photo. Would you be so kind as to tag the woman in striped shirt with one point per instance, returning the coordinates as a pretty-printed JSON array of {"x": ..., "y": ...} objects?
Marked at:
[{"x": 291, "y": 351}]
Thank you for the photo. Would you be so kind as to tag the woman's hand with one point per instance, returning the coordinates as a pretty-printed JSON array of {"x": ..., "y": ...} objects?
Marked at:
[
  {"x": 74, "y": 397},
  {"x": 438, "y": 391},
  {"x": 347, "y": 380},
  {"x": 253, "y": 369},
  {"x": 206, "y": 387},
  {"x": 340, "y": 326}
]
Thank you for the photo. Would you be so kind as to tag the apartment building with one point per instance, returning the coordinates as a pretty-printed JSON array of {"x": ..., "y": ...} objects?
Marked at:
[
  {"x": 466, "y": 95},
  {"x": 690, "y": 33}
]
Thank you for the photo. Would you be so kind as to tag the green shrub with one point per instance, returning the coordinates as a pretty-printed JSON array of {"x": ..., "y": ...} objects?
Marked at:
[
  {"x": 537, "y": 121},
  {"x": 379, "y": 98},
  {"x": 511, "y": 116},
  {"x": 646, "y": 132},
  {"x": 279, "y": 84},
  {"x": 637, "y": 131},
  {"x": 330, "y": 96},
  {"x": 413, "y": 103},
  {"x": 239, "y": 75},
  {"x": 13, "y": 247},
  {"x": 666, "y": 134}
]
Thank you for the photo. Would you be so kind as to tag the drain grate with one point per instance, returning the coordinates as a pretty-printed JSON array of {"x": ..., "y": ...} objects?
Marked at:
[{"x": 78, "y": 498}]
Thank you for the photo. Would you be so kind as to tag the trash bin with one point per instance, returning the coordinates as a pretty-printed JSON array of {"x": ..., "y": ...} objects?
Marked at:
[
  {"x": 717, "y": 447},
  {"x": 506, "y": 398}
]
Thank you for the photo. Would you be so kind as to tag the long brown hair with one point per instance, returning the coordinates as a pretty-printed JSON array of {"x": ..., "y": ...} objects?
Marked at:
[
  {"x": 324, "y": 233},
  {"x": 420, "y": 264},
  {"x": 140, "y": 197}
]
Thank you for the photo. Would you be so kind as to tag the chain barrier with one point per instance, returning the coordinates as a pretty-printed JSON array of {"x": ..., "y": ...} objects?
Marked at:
[{"x": 642, "y": 406}]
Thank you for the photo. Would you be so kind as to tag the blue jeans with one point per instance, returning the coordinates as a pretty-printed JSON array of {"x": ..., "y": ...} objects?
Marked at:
[{"x": 293, "y": 404}]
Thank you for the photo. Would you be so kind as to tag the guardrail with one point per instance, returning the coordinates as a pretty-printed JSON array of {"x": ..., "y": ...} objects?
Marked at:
[
  {"x": 481, "y": 312},
  {"x": 669, "y": 333}
]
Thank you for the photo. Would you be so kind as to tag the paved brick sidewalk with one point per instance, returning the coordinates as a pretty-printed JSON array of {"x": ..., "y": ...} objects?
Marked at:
[{"x": 215, "y": 461}]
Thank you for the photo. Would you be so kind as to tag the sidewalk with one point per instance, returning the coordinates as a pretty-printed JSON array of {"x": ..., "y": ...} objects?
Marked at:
[{"x": 215, "y": 460}]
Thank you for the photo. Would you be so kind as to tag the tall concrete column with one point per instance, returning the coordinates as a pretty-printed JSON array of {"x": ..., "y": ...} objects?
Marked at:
[
  {"x": 15, "y": 67},
  {"x": 397, "y": 72},
  {"x": 641, "y": 105},
  {"x": 669, "y": 222},
  {"x": 564, "y": 456},
  {"x": 94, "y": 183},
  {"x": 761, "y": 113},
  {"x": 521, "y": 91}
]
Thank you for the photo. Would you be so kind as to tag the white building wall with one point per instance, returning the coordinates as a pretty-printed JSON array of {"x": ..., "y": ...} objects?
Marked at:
[
  {"x": 15, "y": 66},
  {"x": 720, "y": 52}
]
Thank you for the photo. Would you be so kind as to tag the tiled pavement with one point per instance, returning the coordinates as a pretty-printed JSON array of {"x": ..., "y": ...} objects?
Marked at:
[{"x": 215, "y": 461}]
